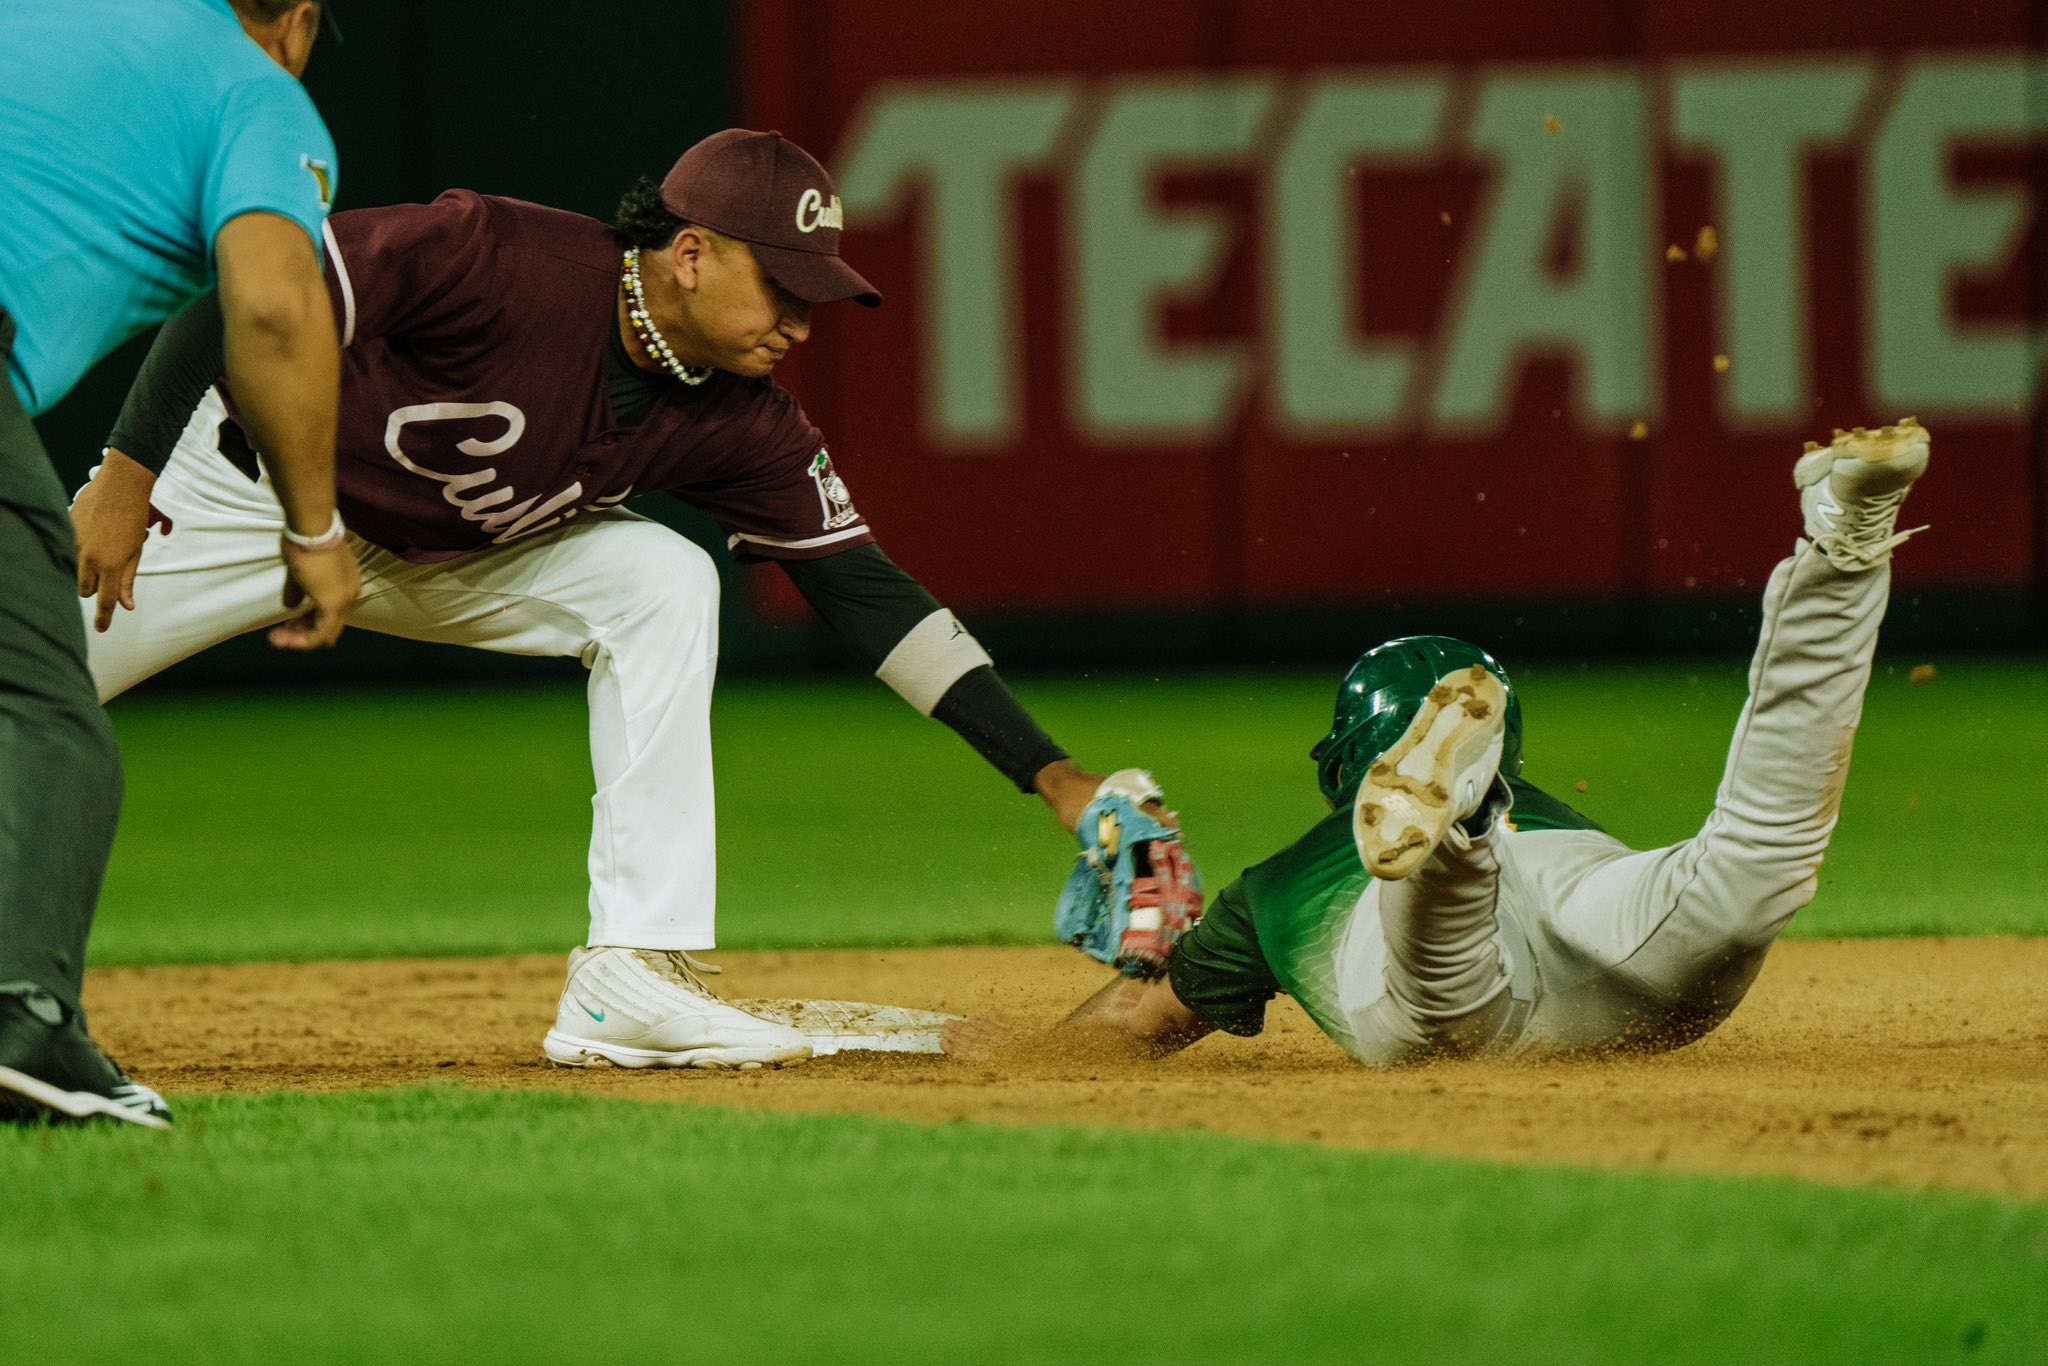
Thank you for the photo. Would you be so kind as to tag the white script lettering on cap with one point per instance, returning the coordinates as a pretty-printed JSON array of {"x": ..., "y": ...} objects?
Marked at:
[{"x": 812, "y": 212}]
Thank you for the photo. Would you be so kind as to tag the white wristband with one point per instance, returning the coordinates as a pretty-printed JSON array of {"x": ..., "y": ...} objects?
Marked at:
[{"x": 324, "y": 541}]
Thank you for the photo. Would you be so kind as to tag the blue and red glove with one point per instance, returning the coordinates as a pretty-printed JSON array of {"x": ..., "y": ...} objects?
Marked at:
[{"x": 1134, "y": 891}]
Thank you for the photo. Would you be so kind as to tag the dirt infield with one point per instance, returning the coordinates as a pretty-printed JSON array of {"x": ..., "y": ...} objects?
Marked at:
[{"x": 1909, "y": 1063}]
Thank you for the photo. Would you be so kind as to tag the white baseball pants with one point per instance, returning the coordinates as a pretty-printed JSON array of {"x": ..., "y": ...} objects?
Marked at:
[
  {"x": 1555, "y": 941},
  {"x": 637, "y": 603}
]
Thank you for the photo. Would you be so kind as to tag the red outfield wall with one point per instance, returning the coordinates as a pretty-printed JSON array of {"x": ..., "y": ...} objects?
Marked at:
[{"x": 1231, "y": 304}]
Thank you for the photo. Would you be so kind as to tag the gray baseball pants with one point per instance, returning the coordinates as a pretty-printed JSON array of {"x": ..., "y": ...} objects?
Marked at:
[
  {"x": 60, "y": 769},
  {"x": 1548, "y": 942}
]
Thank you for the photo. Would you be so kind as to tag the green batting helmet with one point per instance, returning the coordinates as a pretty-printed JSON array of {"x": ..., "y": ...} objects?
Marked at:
[{"x": 1381, "y": 695}]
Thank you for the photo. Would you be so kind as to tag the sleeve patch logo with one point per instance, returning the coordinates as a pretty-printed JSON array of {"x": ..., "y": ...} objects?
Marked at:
[
  {"x": 323, "y": 176},
  {"x": 835, "y": 504}
]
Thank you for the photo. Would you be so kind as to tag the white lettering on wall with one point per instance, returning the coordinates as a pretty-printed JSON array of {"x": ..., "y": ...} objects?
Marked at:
[
  {"x": 1757, "y": 123},
  {"x": 1511, "y": 305},
  {"x": 1129, "y": 258},
  {"x": 1927, "y": 233},
  {"x": 1326, "y": 379},
  {"x": 964, "y": 147},
  {"x": 1592, "y": 186}
]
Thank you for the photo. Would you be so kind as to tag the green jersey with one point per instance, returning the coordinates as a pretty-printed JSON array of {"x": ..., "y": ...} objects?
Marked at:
[{"x": 1279, "y": 927}]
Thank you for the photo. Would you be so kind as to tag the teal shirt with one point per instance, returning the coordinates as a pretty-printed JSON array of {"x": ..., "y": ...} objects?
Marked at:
[{"x": 131, "y": 131}]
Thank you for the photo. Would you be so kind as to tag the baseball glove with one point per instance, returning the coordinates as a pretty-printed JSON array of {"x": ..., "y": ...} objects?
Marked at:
[{"x": 1133, "y": 892}]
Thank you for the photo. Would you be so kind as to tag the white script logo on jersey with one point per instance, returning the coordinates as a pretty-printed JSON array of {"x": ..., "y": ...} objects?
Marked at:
[
  {"x": 812, "y": 212},
  {"x": 834, "y": 502},
  {"x": 472, "y": 494}
]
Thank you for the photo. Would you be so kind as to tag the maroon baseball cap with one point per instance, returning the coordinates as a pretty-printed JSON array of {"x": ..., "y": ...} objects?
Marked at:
[{"x": 771, "y": 194}]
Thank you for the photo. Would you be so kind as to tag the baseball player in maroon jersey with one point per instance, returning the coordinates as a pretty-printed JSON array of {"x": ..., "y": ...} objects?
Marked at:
[{"x": 512, "y": 374}]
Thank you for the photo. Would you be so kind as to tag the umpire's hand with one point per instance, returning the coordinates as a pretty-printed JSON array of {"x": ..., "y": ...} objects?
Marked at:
[{"x": 111, "y": 520}]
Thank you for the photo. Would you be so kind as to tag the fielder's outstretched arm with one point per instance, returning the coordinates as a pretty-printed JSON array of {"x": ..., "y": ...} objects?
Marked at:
[{"x": 929, "y": 659}]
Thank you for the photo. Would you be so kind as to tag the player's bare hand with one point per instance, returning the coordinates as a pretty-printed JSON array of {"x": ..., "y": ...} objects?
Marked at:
[
  {"x": 1068, "y": 789},
  {"x": 320, "y": 586},
  {"x": 110, "y": 518}
]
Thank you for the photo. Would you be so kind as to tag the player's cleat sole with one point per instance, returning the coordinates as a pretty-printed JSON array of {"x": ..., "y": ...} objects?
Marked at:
[
  {"x": 1437, "y": 773},
  {"x": 1851, "y": 489},
  {"x": 564, "y": 1050}
]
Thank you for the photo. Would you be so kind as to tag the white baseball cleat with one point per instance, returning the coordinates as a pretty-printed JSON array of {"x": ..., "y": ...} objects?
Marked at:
[
  {"x": 1851, "y": 489},
  {"x": 650, "y": 1008},
  {"x": 1437, "y": 773}
]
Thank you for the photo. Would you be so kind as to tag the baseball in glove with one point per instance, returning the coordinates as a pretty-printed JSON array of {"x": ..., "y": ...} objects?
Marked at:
[{"x": 1133, "y": 892}]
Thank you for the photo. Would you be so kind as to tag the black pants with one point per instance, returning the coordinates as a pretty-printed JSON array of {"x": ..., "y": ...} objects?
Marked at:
[{"x": 60, "y": 769}]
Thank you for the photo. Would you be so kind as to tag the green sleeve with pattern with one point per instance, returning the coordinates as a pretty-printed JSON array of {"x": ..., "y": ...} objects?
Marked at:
[
  {"x": 1219, "y": 971},
  {"x": 1274, "y": 930}
]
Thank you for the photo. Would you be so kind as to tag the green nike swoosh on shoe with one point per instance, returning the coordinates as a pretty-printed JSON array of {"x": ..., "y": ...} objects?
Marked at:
[{"x": 597, "y": 1015}]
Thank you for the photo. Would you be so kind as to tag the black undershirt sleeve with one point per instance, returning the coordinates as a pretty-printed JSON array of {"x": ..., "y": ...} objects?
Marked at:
[
  {"x": 187, "y": 357},
  {"x": 871, "y": 604},
  {"x": 868, "y": 601},
  {"x": 983, "y": 711}
]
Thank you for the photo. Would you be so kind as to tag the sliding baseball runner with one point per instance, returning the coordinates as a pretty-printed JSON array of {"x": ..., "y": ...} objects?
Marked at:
[{"x": 1449, "y": 908}]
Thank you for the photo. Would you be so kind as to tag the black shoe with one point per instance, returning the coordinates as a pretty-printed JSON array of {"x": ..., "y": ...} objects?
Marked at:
[{"x": 54, "y": 1073}]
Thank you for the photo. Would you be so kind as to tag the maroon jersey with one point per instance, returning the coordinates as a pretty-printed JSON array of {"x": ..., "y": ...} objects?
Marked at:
[{"x": 474, "y": 410}]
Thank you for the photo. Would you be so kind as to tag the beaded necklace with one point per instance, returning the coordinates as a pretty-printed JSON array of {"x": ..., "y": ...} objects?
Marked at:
[{"x": 643, "y": 327}]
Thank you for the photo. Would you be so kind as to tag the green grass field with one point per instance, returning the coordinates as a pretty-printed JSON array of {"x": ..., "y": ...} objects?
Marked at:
[
  {"x": 453, "y": 1225},
  {"x": 372, "y": 824}
]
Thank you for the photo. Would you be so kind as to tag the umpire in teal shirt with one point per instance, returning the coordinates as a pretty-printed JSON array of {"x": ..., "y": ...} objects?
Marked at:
[{"x": 147, "y": 148}]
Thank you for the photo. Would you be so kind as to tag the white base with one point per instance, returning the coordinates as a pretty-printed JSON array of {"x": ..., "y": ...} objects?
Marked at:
[{"x": 857, "y": 1026}]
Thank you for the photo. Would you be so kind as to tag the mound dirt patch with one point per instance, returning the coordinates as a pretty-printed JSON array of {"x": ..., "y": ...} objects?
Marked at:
[{"x": 1909, "y": 1062}]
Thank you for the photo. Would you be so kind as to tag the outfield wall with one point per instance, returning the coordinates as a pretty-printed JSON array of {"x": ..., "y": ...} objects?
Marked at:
[{"x": 1327, "y": 312}]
